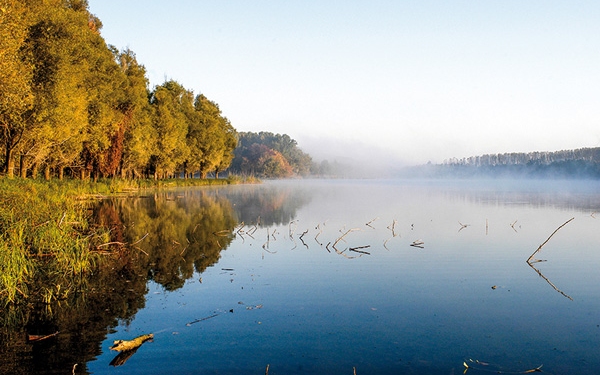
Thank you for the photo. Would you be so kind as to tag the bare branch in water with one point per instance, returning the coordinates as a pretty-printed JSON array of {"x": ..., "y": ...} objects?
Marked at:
[
  {"x": 418, "y": 243},
  {"x": 548, "y": 239},
  {"x": 356, "y": 249},
  {"x": 369, "y": 223},
  {"x": 512, "y": 225}
]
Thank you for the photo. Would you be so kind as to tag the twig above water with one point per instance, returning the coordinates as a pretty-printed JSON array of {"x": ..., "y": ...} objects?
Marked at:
[{"x": 548, "y": 239}]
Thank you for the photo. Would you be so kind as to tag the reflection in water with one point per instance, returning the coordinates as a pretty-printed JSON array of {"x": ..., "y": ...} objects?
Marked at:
[
  {"x": 178, "y": 231},
  {"x": 269, "y": 205},
  {"x": 171, "y": 235},
  {"x": 531, "y": 260},
  {"x": 548, "y": 281},
  {"x": 412, "y": 308}
]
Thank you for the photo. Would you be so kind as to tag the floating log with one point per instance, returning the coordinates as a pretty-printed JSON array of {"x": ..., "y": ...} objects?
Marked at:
[{"x": 126, "y": 345}]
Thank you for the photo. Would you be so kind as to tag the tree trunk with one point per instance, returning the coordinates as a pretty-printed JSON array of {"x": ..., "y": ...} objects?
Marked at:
[
  {"x": 22, "y": 167},
  {"x": 61, "y": 172},
  {"x": 47, "y": 172},
  {"x": 10, "y": 165},
  {"x": 34, "y": 170}
]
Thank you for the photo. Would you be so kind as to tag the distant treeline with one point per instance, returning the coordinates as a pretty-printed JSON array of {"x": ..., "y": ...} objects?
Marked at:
[
  {"x": 578, "y": 163},
  {"x": 71, "y": 104}
]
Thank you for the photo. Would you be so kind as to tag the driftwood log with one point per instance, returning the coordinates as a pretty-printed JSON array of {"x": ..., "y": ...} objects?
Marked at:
[{"x": 126, "y": 345}]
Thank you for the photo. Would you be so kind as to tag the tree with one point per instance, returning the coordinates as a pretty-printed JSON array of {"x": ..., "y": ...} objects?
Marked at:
[
  {"x": 55, "y": 48},
  {"x": 139, "y": 139},
  {"x": 16, "y": 98},
  {"x": 170, "y": 101},
  {"x": 213, "y": 138}
]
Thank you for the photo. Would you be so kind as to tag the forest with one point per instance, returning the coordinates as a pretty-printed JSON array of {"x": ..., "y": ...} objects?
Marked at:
[
  {"x": 70, "y": 104},
  {"x": 583, "y": 163}
]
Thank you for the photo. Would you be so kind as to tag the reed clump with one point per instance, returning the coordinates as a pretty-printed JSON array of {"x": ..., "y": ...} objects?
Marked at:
[{"x": 43, "y": 232}]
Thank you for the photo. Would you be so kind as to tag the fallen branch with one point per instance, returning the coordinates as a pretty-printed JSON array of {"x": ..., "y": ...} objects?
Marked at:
[
  {"x": 344, "y": 235},
  {"x": 369, "y": 223},
  {"x": 140, "y": 240},
  {"x": 303, "y": 234},
  {"x": 124, "y": 243},
  {"x": 487, "y": 367},
  {"x": 548, "y": 239},
  {"x": 418, "y": 243},
  {"x": 112, "y": 243},
  {"x": 356, "y": 249},
  {"x": 126, "y": 345},
  {"x": 201, "y": 319},
  {"x": 35, "y": 338},
  {"x": 512, "y": 225},
  {"x": 392, "y": 227}
]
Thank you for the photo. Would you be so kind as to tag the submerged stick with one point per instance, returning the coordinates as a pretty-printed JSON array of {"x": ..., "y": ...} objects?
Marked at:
[{"x": 548, "y": 239}]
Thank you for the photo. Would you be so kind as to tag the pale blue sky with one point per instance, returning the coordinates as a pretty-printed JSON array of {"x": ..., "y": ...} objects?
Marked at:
[{"x": 408, "y": 81}]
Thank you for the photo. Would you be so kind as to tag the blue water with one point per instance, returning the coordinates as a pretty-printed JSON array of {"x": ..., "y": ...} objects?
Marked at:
[{"x": 299, "y": 305}]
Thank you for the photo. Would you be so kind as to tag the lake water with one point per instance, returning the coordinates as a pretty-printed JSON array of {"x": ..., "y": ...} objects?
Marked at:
[{"x": 307, "y": 277}]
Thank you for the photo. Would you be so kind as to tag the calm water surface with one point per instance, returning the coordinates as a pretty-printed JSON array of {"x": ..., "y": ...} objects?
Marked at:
[{"x": 320, "y": 277}]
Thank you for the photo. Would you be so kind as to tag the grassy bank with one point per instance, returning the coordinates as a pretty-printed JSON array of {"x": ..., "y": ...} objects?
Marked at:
[{"x": 45, "y": 232}]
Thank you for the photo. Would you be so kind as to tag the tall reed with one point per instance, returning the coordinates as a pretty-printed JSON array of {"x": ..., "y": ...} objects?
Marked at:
[{"x": 42, "y": 229}]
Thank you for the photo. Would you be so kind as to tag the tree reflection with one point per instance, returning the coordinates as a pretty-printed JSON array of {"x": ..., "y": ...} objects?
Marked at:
[
  {"x": 178, "y": 231},
  {"x": 269, "y": 205},
  {"x": 164, "y": 237}
]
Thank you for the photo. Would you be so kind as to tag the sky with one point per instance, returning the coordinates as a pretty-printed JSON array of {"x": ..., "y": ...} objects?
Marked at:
[{"x": 399, "y": 82}]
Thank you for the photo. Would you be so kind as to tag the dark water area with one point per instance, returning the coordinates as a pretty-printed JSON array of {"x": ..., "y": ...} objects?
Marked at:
[{"x": 323, "y": 277}]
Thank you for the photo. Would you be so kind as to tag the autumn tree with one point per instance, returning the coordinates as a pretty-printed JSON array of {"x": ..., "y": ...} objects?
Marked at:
[
  {"x": 16, "y": 98},
  {"x": 55, "y": 49},
  {"x": 139, "y": 139},
  {"x": 171, "y": 102},
  {"x": 271, "y": 155},
  {"x": 69, "y": 101},
  {"x": 212, "y": 138}
]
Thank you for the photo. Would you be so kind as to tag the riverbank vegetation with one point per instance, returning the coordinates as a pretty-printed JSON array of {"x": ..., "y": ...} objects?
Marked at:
[{"x": 47, "y": 232}]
